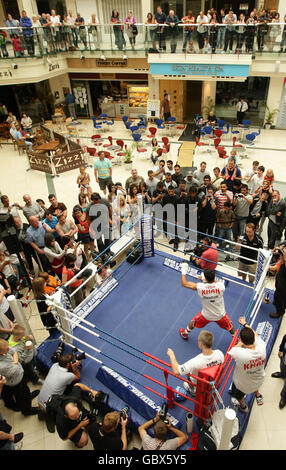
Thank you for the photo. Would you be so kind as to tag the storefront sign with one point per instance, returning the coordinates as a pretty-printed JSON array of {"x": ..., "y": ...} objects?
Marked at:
[
  {"x": 53, "y": 67},
  {"x": 40, "y": 163},
  {"x": 208, "y": 70},
  {"x": 68, "y": 161},
  {"x": 6, "y": 74},
  {"x": 111, "y": 63}
]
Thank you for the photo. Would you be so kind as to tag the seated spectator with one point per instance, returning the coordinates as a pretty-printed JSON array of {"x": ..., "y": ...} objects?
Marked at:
[
  {"x": 160, "y": 440},
  {"x": 36, "y": 237},
  {"x": 133, "y": 179},
  {"x": 201, "y": 172},
  {"x": 72, "y": 417},
  {"x": 26, "y": 352},
  {"x": 57, "y": 208},
  {"x": 55, "y": 254},
  {"x": 50, "y": 222},
  {"x": 51, "y": 283},
  {"x": 7, "y": 268},
  {"x": 26, "y": 123},
  {"x": 15, "y": 393},
  {"x": 177, "y": 176},
  {"x": 110, "y": 434},
  {"x": 61, "y": 375},
  {"x": 207, "y": 358},
  {"x": 8, "y": 440},
  {"x": 32, "y": 208},
  {"x": 69, "y": 271},
  {"x": 6, "y": 315},
  {"x": 66, "y": 230},
  {"x": 103, "y": 272},
  {"x": 249, "y": 265},
  {"x": 15, "y": 132},
  {"x": 211, "y": 120},
  {"x": 11, "y": 119}
]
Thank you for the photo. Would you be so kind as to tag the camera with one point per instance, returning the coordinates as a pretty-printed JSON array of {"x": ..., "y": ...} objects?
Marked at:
[
  {"x": 90, "y": 415},
  {"x": 77, "y": 357},
  {"x": 124, "y": 412},
  {"x": 58, "y": 352},
  {"x": 163, "y": 413}
]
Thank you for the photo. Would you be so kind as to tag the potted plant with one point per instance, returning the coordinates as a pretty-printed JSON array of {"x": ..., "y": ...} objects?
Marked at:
[
  {"x": 269, "y": 116},
  {"x": 209, "y": 106},
  {"x": 128, "y": 157}
]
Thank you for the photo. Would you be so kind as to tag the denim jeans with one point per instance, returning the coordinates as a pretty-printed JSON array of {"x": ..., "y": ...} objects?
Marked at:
[
  {"x": 187, "y": 38},
  {"x": 220, "y": 37},
  {"x": 225, "y": 233}
]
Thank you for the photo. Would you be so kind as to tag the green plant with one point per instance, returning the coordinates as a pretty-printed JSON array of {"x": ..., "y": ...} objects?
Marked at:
[
  {"x": 128, "y": 154},
  {"x": 209, "y": 106},
  {"x": 270, "y": 114}
]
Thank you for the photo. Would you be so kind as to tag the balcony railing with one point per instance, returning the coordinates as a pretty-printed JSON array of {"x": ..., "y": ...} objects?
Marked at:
[{"x": 148, "y": 38}]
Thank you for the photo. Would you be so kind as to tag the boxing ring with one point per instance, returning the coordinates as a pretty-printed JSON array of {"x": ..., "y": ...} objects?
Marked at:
[{"x": 126, "y": 325}]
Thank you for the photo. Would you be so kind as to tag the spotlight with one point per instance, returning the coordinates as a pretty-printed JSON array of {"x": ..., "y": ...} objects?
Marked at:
[{"x": 82, "y": 57}]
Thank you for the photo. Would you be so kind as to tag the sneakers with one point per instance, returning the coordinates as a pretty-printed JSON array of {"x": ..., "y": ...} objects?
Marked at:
[
  {"x": 18, "y": 446},
  {"x": 259, "y": 400},
  {"x": 183, "y": 334},
  {"x": 191, "y": 390},
  {"x": 277, "y": 375}
]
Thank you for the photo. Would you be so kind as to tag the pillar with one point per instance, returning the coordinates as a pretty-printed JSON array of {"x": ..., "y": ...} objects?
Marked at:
[
  {"x": 30, "y": 6},
  {"x": 275, "y": 91},
  {"x": 208, "y": 90}
]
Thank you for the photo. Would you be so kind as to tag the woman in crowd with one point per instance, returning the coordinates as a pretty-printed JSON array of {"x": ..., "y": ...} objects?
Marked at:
[
  {"x": 83, "y": 182},
  {"x": 69, "y": 272},
  {"x": 151, "y": 31},
  {"x": 132, "y": 30},
  {"x": 125, "y": 215},
  {"x": 274, "y": 31},
  {"x": 44, "y": 308},
  {"x": 213, "y": 32},
  {"x": 92, "y": 29},
  {"x": 55, "y": 253},
  {"x": 83, "y": 236},
  {"x": 82, "y": 201},
  {"x": 118, "y": 29},
  {"x": 240, "y": 33},
  {"x": 250, "y": 32},
  {"x": 154, "y": 153}
]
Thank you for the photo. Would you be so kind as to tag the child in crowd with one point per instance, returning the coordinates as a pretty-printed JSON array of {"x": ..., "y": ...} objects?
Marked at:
[
  {"x": 26, "y": 351},
  {"x": 269, "y": 176},
  {"x": 17, "y": 46},
  {"x": 3, "y": 36}
]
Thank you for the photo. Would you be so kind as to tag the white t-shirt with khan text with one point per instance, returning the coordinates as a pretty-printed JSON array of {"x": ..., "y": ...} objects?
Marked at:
[{"x": 211, "y": 296}]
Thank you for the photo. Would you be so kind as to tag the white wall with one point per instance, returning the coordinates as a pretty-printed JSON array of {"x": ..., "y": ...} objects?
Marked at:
[
  {"x": 57, "y": 84},
  {"x": 275, "y": 93}
]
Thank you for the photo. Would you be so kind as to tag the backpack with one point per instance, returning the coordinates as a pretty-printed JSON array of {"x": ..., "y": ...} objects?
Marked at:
[{"x": 210, "y": 434}]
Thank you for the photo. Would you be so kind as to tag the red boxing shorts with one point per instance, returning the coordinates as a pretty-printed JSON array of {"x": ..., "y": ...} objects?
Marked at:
[{"x": 200, "y": 321}]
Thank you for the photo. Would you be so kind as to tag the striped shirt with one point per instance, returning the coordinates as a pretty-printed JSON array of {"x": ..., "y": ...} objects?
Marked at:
[{"x": 222, "y": 198}]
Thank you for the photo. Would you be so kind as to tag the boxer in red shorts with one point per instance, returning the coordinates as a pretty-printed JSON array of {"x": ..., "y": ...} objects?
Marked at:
[{"x": 211, "y": 295}]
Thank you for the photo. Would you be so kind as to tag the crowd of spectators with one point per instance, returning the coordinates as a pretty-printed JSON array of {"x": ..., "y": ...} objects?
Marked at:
[{"x": 53, "y": 32}]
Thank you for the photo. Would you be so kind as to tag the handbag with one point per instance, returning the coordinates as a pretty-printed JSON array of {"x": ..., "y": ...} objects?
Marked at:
[{"x": 134, "y": 30}]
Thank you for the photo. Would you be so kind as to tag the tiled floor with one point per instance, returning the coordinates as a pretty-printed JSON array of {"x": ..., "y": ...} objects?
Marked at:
[{"x": 266, "y": 428}]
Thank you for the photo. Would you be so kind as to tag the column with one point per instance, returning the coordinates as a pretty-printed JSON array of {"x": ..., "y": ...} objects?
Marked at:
[
  {"x": 208, "y": 91},
  {"x": 30, "y": 6},
  {"x": 274, "y": 94},
  {"x": 146, "y": 6}
]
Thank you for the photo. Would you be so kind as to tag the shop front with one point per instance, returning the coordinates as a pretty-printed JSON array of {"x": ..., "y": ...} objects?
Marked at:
[{"x": 113, "y": 94}]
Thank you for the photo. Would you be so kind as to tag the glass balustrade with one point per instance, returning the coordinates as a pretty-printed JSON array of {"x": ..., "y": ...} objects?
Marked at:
[{"x": 94, "y": 39}]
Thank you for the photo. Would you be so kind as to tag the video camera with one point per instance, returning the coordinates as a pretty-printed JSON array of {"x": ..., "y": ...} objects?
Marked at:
[
  {"x": 163, "y": 413},
  {"x": 58, "y": 352},
  {"x": 77, "y": 357}
]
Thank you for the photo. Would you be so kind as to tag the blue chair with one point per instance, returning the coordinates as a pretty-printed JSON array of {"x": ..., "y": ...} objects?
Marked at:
[
  {"x": 250, "y": 138},
  {"x": 246, "y": 123},
  {"x": 226, "y": 131},
  {"x": 125, "y": 119},
  {"x": 207, "y": 132},
  {"x": 160, "y": 124},
  {"x": 110, "y": 123},
  {"x": 136, "y": 137},
  {"x": 96, "y": 125},
  {"x": 257, "y": 133},
  {"x": 235, "y": 132},
  {"x": 220, "y": 123},
  {"x": 134, "y": 129}
]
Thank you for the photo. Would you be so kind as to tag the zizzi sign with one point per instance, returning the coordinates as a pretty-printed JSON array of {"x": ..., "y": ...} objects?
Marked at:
[
  {"x": 208, "y": 70},
  {"x": 68, "y": 161},
  {"x": 40, "y": 163}
]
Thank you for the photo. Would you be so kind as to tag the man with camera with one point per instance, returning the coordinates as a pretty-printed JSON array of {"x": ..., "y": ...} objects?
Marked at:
[
  {"x": 162, "y": 426},
  {"x": 241, "y": 204},
  {"x": 111, "y": 432},
  {"x": 205, "y": 255},
  {"x": 62, "y": 374},
  {"x": 72, "y": 418}
]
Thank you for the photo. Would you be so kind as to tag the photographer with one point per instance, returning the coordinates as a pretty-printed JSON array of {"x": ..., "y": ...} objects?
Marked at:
[
  {"x": 208, "y": 212},
  {"x": 72, "y": 418},
  {"x": 161, "y": 429},
  {"x": 62, "y": 374},
  {"x": 208, "y": 251},
  {"x": 110, "y": 433},
  {"x": 241, "y": 204}
]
